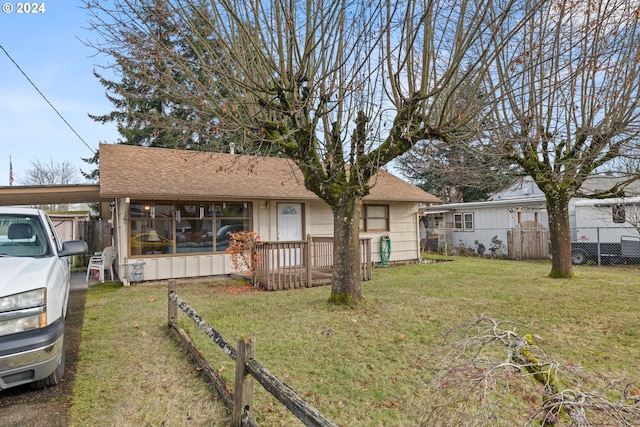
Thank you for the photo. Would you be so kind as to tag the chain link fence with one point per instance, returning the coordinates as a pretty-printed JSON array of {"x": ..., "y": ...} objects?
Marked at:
[
  {"x": 606, "y": 245},
  {"x": 597, "y": 245}
]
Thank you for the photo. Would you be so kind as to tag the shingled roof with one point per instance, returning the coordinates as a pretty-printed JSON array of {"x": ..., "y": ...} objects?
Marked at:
[{"x": 166, "y": 174}]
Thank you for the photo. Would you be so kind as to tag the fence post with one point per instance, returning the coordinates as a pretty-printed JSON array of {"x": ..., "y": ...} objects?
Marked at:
[
  {"x": 243, "y": 391},
  {"x": 172, "y": 310},
  {"x": 598, "y": 246}
]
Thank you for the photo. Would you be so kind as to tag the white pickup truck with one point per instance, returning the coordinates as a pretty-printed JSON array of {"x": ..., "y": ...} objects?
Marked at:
[{"x": 34, "y": 292}]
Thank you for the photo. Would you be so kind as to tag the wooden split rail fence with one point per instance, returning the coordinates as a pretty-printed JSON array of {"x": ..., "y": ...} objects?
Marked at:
[{"x": 247, "y": 369}]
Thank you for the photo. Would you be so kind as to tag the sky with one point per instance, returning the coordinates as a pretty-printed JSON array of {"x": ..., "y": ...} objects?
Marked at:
[{"x": 48, "y": 47}]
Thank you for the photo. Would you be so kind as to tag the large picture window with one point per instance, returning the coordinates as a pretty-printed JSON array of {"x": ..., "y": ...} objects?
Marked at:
[
  {"x": 374, "y": 218},
  {"x": 229, "y": 218},
  {"x": 161, "y": 228}
]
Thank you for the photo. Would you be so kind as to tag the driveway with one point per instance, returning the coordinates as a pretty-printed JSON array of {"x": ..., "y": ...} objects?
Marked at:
[{"x": 22, "y": 406}]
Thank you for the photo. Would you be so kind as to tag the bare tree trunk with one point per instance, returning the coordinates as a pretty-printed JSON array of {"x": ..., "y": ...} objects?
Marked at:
[
  {"x": 560, "y": 235},
  {"x": 345, "y": 289}
]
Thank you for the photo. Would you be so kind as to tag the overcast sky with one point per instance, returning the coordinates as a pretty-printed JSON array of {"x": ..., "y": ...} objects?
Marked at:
[{"x": 47, "y": 46}]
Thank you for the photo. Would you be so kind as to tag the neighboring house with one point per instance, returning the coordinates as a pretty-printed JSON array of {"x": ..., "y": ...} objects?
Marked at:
[
  {"x": 175, "y": 210},
  {"x": 512, "y": 222},
  {"x": 489, "y": 224}
]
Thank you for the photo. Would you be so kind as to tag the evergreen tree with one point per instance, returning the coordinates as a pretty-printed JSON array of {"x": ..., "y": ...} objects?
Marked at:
[{"x": 148, "y": 113}]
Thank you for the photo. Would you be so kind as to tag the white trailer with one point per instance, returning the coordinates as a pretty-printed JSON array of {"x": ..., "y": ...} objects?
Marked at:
[{"x": 606, "y": 231}]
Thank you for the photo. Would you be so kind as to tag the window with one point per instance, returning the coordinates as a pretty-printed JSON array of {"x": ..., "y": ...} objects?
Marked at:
[
  {"x": 22, "y": 236},
  {"x": 151, "y": 229},
  {"x": 161, "y": 228},
  {"x": 463, "y": 221},
  {"x": 619, "y": 214},
  {"x": 194, "y": 227},
  {"x": 230, "y": 218},
  {"x": 374, "y": 218}
]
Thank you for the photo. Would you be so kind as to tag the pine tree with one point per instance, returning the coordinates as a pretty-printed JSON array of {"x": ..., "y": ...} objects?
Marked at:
[{"x": 148, "y": 113}]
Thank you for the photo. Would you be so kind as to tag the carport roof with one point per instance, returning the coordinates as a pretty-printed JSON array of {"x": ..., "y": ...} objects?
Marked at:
[{"x": 49, "y": 194}]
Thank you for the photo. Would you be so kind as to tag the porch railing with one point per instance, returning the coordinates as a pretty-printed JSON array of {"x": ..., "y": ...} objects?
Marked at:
[{"x": 303, "y": 264}]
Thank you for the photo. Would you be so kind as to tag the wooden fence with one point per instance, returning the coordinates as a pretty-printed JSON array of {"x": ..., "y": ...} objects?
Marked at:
[
  {"x": 303, "y": 264},
  {"x": 528, "y": 240},
  {"x": 247, "y": 369},
  {"x": 97, "y": 234}
]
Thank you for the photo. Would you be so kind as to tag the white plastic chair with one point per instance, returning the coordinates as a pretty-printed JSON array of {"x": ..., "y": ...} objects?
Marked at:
[{"x": 101, "y": 262}]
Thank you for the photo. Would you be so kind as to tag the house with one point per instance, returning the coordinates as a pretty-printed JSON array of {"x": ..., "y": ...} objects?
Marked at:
[
  {"x": 173, "y": 211},
  {"x": 485, "y": 227},
  {"x": 512, "y": 222}
]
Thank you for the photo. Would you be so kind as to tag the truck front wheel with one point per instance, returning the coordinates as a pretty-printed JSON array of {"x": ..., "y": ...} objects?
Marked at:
[
  {"x": 578, "y": 256},
  {"x": 56, "y": 376}
]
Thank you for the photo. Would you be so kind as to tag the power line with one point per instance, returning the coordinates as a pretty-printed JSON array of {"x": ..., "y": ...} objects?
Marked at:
[{"x": 45, "y": 98}]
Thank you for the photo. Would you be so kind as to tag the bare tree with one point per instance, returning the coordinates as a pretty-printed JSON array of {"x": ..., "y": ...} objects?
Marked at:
[
  {"x": 339, "y": 87},
  {"x": 567, "y": 104},
  {"x": 51, "y": 173},
  {"x": 455, "y": 172}
]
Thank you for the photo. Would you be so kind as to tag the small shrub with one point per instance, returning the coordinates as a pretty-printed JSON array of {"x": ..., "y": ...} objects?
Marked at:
[{"x": 242, "y": 248}]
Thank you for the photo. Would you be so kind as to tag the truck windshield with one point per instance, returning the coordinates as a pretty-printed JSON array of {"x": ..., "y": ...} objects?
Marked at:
[{"x": 22, "y": 236}]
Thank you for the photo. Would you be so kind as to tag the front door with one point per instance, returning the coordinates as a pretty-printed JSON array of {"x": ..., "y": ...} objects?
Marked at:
[{"x": 289, "y": 229}]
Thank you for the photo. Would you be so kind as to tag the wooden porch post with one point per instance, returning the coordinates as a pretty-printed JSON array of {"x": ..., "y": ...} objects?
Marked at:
[{"x": 309, "y": 260}]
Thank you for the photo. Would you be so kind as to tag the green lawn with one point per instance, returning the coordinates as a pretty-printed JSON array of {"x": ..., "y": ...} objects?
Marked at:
[{"x": 380, "y": 364}]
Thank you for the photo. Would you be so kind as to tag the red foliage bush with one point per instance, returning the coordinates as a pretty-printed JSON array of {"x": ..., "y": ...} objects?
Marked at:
[{"x": 242, "y": 247}]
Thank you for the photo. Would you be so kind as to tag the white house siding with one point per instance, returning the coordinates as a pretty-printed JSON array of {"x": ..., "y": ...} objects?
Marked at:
[
  {"x": 264, "y": 219},
  {"x": 120, "y": 237},
  {"x": 489, "y": 222},
  {"x": 318, "y": 221},
  {"x": 403, "y": 234},
  {"x": 186, "y": 266}
]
